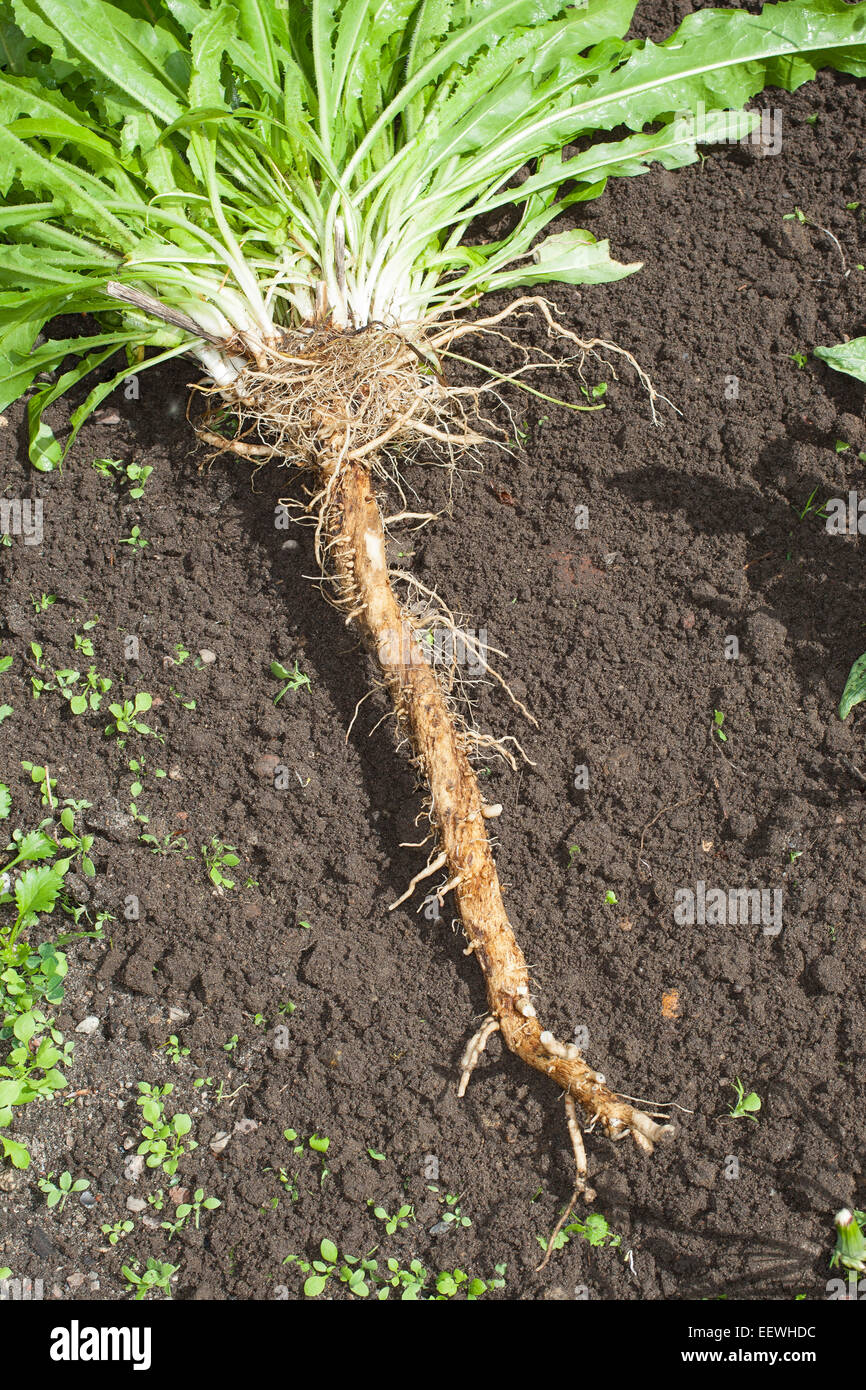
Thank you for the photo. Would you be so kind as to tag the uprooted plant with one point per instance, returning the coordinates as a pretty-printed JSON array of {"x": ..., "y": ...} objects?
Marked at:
[{"x": 285, "y": 193}]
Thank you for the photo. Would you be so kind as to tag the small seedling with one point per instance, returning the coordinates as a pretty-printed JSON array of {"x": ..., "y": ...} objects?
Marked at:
[
  {"x": 799, "y": 359},
  {"x": 219, "y": 857},
  {"x": 135, "y": 539},
  {"x": 126, "y": 716},
  {"x": 46, "y": 784},
  {"x": 43, "y": 602},
  {"x": 173, "y": 1049},
  {"x": 107, "y": 468},
  {"x": 163, "y": 1139},
  {"x": 58, "y": 1195},
  {"x": 718, "y": 721},
  {"x": 812, "y": 508},
  {"x": 295, "y": 679},
  {"x": 77, "y": 845},
  {"x": 157, "y": 1275},
  {"x": 595, "y": 1230},
  {"x": 137, "y": 475},
  {"x": 453, "y": 1216},
  {"x": 194, "y": 1208},
  {"x": 81, "y": 642},
  {"x": 399, "y": 1221},
  {"x": 173, "y": 843},
  {"x": 119, "y": 1230},
  {"x": 745, "y": 1105},
  {"x": 610, "y": 898}
]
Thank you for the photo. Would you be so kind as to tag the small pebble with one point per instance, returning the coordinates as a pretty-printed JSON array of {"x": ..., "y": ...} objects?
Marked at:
[
  {"x": 440, "y": 1229},
  {"x": 87, "y": 1199},
  {"x": 206, "y": 657},
  {"x": 135, "y": 1204},
  {"x": 88, "y": 1026},
  {"x": 133, "y": 1167}
]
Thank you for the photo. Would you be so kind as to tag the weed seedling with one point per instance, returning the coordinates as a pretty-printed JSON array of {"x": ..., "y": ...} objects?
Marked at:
[
  {"x": 119, "y": 1230},
  {"x": 169, "y": 844},
  {"x": 173, "y": 1050},
  {"x": 78, "y": 846},
  {"x": 135, "y": 539},
  {"x": 46, "y": 784},
  {"x": 126, "y": 717},
  {"x": 107, "y": 468},
  {"x": 194, "y": 1208},
  {"x": 58, "y": 1195},
  {"x": 594, "y": 1230},
  {"x": 399, "y": 1221},
  {"x": 812, "y": 508},
  {"x": 157, "y": 1275},
  {"x": 745, "y": 1105},
  {"x": 295, "y": 679},
  {"x": 219, "y": 857},
  {"x": 163, "y": 1139},
  {"x": 137, "y": 475}
]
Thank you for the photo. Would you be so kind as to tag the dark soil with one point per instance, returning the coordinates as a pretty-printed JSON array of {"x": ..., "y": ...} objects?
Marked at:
[{"x": 616, "y": 637}]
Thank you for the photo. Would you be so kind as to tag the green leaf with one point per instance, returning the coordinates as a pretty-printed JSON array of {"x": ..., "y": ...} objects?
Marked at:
[
  {"x": 329, "y": 1252},
  {"x": 16, "y": 1153},
  {"x": 5, "y": 801},
  {"x": 575, "y": 258},
  {"x": 206, "y": 150},
  {"x": 36, "y": 845},
  {"x": 24, "y": 1027},
  {"x": 849, "y": 358},
  {"x": 45, "y": 452},
  {"x": 855, "y": 687},
  {"x": 314, "y": 1285},
  {"x": 36, "y": 891}
]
